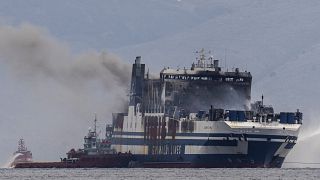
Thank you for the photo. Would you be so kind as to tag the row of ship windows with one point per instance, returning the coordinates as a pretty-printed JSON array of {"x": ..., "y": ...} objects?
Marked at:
[{"x": 227, "y": 79}]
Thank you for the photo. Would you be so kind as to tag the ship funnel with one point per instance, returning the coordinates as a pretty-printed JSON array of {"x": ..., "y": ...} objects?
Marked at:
[
  {"x": 137, "y": 79},
  {"x": 216, "y": 63},
  {"x": 138, "y": 60}
]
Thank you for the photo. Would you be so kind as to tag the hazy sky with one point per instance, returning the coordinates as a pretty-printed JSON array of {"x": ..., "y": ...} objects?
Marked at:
[{"x": 64, "y": 60}]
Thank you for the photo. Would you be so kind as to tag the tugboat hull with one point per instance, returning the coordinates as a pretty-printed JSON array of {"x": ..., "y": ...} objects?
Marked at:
[{"x": 99, "y": 161}]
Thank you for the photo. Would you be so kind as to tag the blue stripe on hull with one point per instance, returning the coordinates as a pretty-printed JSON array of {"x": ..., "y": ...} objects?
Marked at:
[
  {"x": 215, "y": 135},
  {"x": 137, "y": 141},
  {"x": 260, "y": 154},
  {"x": 204, "y": 161}
]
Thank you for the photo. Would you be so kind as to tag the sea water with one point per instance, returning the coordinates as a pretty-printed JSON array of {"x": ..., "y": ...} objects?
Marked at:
[{"x": 149, "y": 173}]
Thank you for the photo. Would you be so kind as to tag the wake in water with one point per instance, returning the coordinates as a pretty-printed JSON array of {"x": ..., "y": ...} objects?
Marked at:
[{"x": 9, "y": 163}]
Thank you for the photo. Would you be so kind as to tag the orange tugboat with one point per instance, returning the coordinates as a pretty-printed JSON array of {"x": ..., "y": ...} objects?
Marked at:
[{"x": 22, "y": 155}]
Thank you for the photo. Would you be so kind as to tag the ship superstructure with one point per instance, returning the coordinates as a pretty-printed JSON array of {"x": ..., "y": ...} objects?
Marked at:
[
  {"x": 201, "y": 117},
  {"x": 93, "y": 145}
]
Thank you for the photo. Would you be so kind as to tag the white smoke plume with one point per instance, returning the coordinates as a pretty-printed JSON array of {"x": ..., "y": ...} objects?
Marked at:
[{"x": 49, "y": 94}]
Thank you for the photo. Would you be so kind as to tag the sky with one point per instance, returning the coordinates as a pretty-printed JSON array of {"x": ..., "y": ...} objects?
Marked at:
[{"x": 82, "y": 51}]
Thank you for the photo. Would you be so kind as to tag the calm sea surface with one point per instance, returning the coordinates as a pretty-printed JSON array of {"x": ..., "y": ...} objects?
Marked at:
[{"x": 96, "y": 174}]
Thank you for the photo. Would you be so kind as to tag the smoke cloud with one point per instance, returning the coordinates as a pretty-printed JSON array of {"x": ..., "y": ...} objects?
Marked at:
[
  {"x": 30, "y": 51},
  {"x": 49, "y": 94}
]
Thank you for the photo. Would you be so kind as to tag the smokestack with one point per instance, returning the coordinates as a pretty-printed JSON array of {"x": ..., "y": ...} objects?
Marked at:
[
  {"x": 211, "y": 113},
  {"x": 137, "y": 79},
  {"x": 216, "y": 63},
  {"x": 138, "y": 60}
]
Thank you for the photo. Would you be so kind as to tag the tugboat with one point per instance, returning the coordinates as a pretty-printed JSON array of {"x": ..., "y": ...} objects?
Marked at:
[
  {"x": 22, "y": 155},
  {"x": 97, "y": 153}
]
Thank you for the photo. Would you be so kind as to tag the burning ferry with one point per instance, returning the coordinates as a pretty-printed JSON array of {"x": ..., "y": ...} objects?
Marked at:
[{"x": 201, "y": 117}]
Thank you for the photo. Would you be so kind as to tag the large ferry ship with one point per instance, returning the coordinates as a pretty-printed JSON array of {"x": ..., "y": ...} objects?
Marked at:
[{"x": 201, "y": 117}]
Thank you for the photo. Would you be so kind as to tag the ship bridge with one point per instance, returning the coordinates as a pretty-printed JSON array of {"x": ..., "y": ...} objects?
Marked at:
[
  {"x": 207, "y": 69},
  {"x": 212, "y": 75},
  {"x": 205, "y": 84}
]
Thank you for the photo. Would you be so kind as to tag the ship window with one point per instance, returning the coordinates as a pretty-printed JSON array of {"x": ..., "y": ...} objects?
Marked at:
[
  {"x": 229, "y": 79},
  {"x": 240, "y": 80}
]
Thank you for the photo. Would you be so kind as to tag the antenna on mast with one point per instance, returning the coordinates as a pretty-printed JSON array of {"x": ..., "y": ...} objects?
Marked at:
[
  {"x": 95, "y": 122},
  {"x": 21, "y": 146},
  {"x": 225, "y": 58}
]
